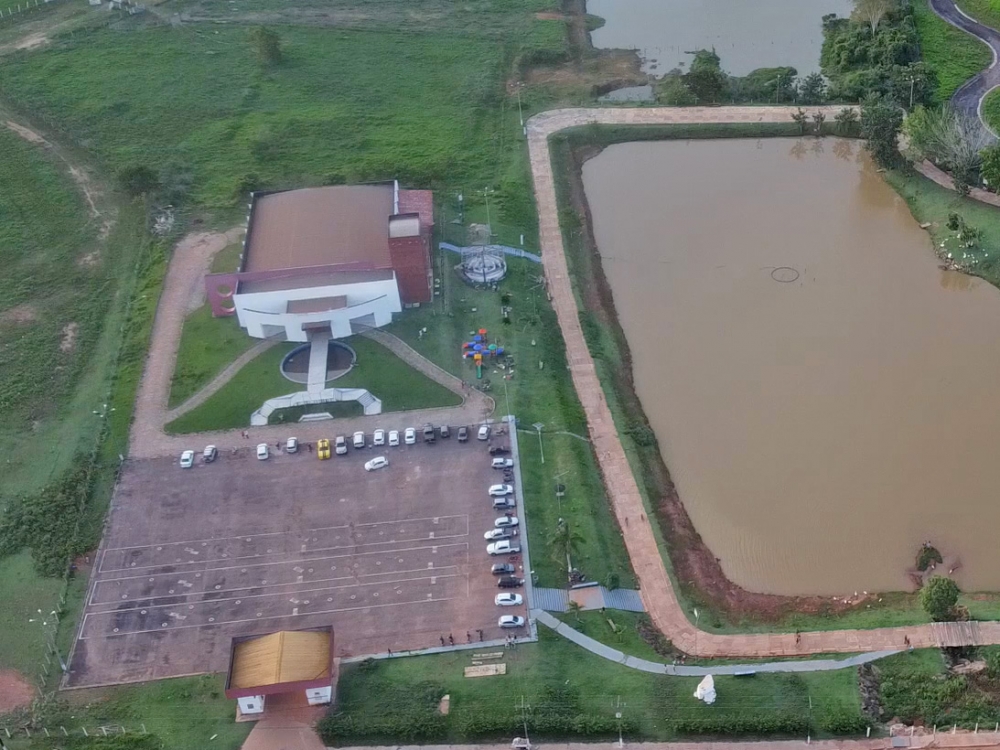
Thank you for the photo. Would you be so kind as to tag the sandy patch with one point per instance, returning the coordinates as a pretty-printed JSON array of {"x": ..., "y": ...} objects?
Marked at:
[
  {"x": 19, "y": 314},
  {"x": 89, "y": 260},
  {"x": 26, "y": 133},
  {"x": 69, "y": 332},
  {"x": 15, "y": 691},
  {"x": 548, "y": 15}
]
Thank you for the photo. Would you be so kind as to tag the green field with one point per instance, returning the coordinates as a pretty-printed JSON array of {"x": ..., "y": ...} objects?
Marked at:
[
  {"x": 400, "y": 387},
  {"x": 991, "y": 109},
  {"x": 185, "y": 713},
  {"x": 985, "y": 11},
  {"x": 954, "y": 55},
  {"x": 570, "y": 692}
]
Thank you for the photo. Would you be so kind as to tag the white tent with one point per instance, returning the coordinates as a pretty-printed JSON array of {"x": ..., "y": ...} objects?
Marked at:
[{"x": 706, "y": 690}]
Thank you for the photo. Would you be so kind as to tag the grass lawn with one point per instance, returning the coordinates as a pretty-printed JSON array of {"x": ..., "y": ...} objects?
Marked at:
[
  {"x": 184, "y": 713},
  {"x": 991, "y": 109},
  {"x": 985, "y": 11},
  {"x": 917, "y": 686},
  {"x": 565, "y": 686},
  {"x": 400, "y": 387},
  {"x": 954, "y": 55},
  {"x": 207, "y": 345}
]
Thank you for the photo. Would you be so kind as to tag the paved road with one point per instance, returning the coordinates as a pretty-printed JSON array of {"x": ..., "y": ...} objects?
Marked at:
[
  {"x": 626, "y": 501},
  {"x": 970, "y": 94}
]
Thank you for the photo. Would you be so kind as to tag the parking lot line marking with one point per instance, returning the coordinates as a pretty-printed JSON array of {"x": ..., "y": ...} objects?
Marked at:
[
  {"x": 134, "y": 568},
  {"x": 257, "y": 556},
  {"x": 286, "y": 533},
  {"x": 254, "y": 619},
  {"x": 260, "y": 596}
]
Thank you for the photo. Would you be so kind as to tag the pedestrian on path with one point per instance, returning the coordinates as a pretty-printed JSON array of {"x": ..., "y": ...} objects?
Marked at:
[
  {"x": 442, "y": 639},
  {"x": 451, "y": 639}
]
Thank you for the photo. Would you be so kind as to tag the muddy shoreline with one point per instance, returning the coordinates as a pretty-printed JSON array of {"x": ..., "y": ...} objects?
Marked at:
[{"x": 696, "y": 569}]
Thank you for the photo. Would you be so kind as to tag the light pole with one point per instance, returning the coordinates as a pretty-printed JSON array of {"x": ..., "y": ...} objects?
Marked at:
[{"x": 538, "y": 428}]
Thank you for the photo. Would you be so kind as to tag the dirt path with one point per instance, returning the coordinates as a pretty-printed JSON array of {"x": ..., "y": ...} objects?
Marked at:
[
  {"x": 15, "y": 691},
  {"x": 81, "y": 176},
  {"x": 626, "y": 501}
]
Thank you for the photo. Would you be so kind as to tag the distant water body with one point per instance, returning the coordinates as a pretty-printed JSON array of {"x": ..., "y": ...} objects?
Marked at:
[{"x": 747, "y": 34}]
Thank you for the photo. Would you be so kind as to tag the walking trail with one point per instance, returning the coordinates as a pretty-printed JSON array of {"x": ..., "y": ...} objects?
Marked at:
[
  {"x": 656, "y": 587},
  {"x": 191, "y": 260}
]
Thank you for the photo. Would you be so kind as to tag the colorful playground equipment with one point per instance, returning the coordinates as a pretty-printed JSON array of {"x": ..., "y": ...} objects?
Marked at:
[{"x": 480, "y": 348}]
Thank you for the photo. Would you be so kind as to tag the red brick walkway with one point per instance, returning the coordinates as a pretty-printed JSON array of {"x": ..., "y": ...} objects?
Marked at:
[{"x": 657, "y": 589}]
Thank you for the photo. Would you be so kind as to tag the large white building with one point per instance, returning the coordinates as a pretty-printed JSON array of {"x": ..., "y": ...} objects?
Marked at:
[{"x": 328, "y": 260}]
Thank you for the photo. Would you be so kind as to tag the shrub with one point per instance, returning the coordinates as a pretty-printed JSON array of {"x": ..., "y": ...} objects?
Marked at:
[
  {"x": 138, "y": 179},
  {"x": 929, "y": 554},
  {"x": 939, "y": 597}
]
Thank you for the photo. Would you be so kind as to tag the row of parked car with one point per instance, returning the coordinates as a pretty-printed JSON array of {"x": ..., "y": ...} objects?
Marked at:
[{"x": 502, "y": 540}]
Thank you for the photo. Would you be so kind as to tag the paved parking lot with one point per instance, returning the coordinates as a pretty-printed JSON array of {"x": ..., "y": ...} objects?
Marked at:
[{"x": 393, "y": 559}]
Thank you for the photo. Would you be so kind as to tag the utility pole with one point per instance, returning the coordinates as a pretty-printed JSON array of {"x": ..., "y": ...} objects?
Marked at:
[
  {"x": 524, "y": 719},
  {"x": 912, "y": 80},
  {"x": 538, "y": 428},
  {"x": 618, "y": 715}
]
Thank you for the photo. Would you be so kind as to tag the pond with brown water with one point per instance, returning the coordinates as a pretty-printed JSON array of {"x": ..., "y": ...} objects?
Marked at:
[
  {"x": 746, "y": 34},
  {"x": 824, "y": 395}
]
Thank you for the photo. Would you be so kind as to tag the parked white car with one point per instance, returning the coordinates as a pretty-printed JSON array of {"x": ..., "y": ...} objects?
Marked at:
[
  {"x": 379, "y": 462},
  {"x": 499, "y": 490},
  {"x": 494, "y": 534},
  {"x": 187, "y": 459},
  {"x": 511, "y": 621},
  {"x": 292, "y": 445},
  {"x": 358, "y": 441},
  {"x": 210, "y": 453},
  {"x": 262, "y": 452},
  {"x": 393, "y": 438},
  {"x": 378, "y": 438},
  {"x": 506, "y": 522},
  {"x": 508, "y": 600},
  {"x": 410, "y": 436},
  {"x": 502, "y": 463},
  {"x": 484, "y": 432},
  {"x": 503, "y": 547},
  {"x": 341, "y": 445}
]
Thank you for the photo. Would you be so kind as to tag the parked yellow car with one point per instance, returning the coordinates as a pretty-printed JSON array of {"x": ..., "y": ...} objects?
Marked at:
[{"x": 323, "y": 448}]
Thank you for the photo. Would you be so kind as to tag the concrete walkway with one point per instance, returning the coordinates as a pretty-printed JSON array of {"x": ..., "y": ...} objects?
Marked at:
[
  {"x": 626, "y": 501},
  {"x": 655, "y": 667}
]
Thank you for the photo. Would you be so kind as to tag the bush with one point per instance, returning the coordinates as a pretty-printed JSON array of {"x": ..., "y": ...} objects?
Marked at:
[
  {"x": 138, "y": 179},
  {"x": 939, "y": 597},
  {"x": 929, "y": 554}
]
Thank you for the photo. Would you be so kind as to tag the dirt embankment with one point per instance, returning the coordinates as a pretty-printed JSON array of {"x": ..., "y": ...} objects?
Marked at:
[
  {"x": 697, "y": 570},
  {"x": 15, "y": 691}
]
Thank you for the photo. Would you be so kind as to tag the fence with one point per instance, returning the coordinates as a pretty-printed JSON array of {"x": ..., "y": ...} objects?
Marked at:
[
  {"x": 23, "y": 732},
  {"x": 19, "y": 8}
]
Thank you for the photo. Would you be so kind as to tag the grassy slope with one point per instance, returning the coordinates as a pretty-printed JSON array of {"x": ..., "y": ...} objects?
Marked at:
[
  {"x": 954, "y": 55},
  {"x": 398, "y": 385},
  {"x": 984, "y": 11},
  {"x": 592, "y": 686}
]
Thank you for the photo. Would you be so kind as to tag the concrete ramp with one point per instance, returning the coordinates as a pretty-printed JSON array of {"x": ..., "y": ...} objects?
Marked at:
[{"x": 319, "y": 350}]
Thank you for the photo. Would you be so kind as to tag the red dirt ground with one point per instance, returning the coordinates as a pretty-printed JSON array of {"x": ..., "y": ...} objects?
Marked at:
[{"x": 15, "y": 691}]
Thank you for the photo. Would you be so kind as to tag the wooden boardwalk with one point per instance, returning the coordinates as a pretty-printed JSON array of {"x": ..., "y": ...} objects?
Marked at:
[{"x": 657, "y": 590}]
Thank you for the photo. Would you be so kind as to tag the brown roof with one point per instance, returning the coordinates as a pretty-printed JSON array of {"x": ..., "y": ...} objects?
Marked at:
[
  {"x": 320, "y": 226},
  {"x": 316, "y": 304},
  {"x": 314, "y": 279},
  {"x": 418, "y": 202},
  {"x": 279, "y": 658}
]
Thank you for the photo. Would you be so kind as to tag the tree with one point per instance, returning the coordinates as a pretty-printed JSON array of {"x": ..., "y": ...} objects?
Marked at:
[
  {"x": 939, "y": 597},
  {"x": 705, "y": 78},
  {"x": 990, "y": 169},
  {"x": 266, "y": 45},
  {"x": 564, "y": 543},
  {"x": 812, "y": 89},
  {"x": 818, "y": 119},
  {"x": 847, "y": 121},
  {"x": 674, "y": 92},
  {"x": 881, "y": 120},
  {"x": 138, "y": 179},
  {"x": 953, "y": 140},
  {"x": 801, "y": 119},
  {"x": 872, "y": 12}
]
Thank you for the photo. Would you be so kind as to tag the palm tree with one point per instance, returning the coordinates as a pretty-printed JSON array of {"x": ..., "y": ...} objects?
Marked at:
[{"x": 565, "y": 543}]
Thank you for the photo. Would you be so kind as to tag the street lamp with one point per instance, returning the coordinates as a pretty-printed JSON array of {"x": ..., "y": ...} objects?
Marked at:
[{"x": 538, "y": 428}]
